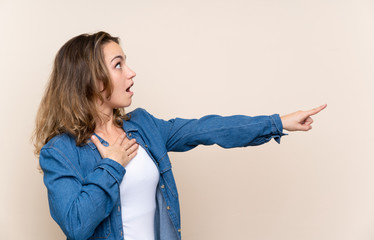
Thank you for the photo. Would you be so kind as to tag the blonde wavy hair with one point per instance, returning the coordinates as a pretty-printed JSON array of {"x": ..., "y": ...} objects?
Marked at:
[{"x": 70, "y": 101}]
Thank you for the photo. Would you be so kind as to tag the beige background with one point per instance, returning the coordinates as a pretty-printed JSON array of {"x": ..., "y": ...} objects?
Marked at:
[{"x": 225, "y": 57}]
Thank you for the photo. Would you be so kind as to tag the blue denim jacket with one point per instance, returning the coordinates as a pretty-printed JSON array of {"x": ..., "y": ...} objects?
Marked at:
[{"x": 83, "y": 188}]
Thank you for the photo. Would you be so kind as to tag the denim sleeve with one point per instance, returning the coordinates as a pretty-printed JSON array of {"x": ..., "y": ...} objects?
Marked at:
[
  {"x": 227, "y": 132},
  {"x": 79, "y": 204}
]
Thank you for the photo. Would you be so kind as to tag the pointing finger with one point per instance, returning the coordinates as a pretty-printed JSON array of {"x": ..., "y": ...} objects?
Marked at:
[{"x": 316, "y": 110}]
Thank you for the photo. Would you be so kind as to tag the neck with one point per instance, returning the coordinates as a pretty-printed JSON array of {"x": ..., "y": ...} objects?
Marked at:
[{"x": 105, "y": 125}]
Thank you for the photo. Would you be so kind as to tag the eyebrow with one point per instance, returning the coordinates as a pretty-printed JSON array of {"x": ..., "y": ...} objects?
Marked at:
[{"x": 120, "y": 57}]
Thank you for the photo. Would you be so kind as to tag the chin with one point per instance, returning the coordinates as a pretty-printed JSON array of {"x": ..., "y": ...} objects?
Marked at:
[
  {"x": 125, "y": 105},
  {"x": 121, "y": 103}
]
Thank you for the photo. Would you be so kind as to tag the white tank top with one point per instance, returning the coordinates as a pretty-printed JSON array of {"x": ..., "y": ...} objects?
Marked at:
[{"x": 138, "y": 197}]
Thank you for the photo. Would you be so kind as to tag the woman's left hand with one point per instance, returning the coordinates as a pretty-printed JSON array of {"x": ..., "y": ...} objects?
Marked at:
[{"x": 300, "y": 120}]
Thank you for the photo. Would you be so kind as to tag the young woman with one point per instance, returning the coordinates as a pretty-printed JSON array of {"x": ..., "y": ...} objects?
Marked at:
[{"x": 108, "y": 173}]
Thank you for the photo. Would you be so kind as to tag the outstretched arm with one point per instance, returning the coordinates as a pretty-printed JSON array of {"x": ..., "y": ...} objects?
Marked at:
[
  {"x": 300, "y": 120},
  {"x": 180, "y": 135}
]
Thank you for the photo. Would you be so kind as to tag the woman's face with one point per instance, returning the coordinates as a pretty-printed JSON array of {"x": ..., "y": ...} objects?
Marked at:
[{"x": 121, "y": 76}]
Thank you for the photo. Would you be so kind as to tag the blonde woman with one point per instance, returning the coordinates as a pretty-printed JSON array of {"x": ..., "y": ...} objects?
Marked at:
[{"x": 108, "y": 173}]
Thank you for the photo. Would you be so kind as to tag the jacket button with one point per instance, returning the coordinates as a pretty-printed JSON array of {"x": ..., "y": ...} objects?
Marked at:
[
  {"x": 129, "y": 134},
  {"x": 162, "y": 186},
  {"x": 146, "y": 146},
  {"x": 179, "y": 230},
  {"x": 119, "y": 208},
  {"x": 168, "y": 207},
  {"x": 121, "y": 233}
]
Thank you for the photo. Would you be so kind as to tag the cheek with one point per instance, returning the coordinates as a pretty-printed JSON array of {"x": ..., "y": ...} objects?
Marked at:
[
  {"x": 119, "y": 86},
  {"x": 118, "y": 89}
]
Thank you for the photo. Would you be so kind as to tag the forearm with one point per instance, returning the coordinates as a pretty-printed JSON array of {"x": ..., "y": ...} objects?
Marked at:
[{"x": 227, "y": 132}]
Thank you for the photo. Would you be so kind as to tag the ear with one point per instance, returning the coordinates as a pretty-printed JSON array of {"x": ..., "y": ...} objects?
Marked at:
[{"x": 100, "y": 85}]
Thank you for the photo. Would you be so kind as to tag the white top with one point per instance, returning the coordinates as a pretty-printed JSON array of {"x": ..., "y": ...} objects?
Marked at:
[{"x": 138, "y": 197}]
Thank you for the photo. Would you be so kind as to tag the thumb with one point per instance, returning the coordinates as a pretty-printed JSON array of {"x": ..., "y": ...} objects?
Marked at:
[
  {"x": 302, "y": 117},
  {"x": 98, "y": 144}
]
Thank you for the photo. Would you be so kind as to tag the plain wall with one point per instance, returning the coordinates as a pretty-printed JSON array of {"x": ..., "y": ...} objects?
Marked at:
[{"x": 194, "y": 58}]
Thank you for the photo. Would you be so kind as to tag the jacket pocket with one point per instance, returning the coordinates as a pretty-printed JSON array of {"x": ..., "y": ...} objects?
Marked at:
[{"x": 103, "y": 230}]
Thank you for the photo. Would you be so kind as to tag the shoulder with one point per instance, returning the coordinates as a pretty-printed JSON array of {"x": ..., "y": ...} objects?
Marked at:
[
  {"x": 142, "y": 119},
  {"x": 61, "y": 143},
  {"x": 61, "y": 155},
  {"x": 60, "y": 152},
  {"x": 140, "y": 115}
]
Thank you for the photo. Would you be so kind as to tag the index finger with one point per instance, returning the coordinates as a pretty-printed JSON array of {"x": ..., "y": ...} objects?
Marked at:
[{"x": 316, "y": 110}]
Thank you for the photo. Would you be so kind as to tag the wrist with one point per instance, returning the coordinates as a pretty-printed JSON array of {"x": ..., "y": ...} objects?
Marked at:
[{"x": 284, "y": 122}]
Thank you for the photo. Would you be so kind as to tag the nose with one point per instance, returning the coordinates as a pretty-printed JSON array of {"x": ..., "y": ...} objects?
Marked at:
[{"x": 131, "y": 73}]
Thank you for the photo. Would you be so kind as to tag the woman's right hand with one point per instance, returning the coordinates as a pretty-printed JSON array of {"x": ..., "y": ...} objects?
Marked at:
[
  {"x": 122, "y": 151},
  {"x": 300, "y": 120}
]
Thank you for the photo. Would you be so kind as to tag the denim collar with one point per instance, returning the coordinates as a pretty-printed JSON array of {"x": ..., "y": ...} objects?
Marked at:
[
  {"x": 127, "y": 126},
  {"x": 102, "y": 141}
]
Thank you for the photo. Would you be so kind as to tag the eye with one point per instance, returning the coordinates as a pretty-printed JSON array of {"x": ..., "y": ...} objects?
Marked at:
[{"x": 118, "y": 65}]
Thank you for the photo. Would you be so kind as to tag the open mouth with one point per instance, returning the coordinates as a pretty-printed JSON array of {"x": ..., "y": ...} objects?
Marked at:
[{"x": 128, "y": 89}]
